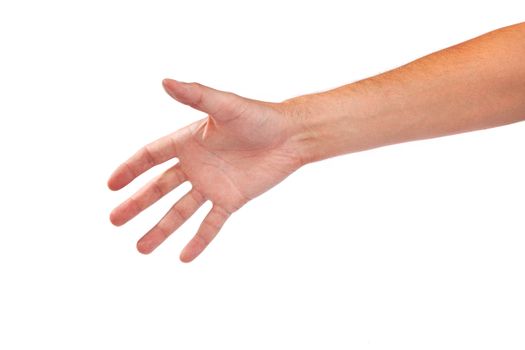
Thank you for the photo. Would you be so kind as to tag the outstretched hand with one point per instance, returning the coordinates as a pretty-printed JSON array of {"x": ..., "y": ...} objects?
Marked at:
[{"x": 240, "y": 150}]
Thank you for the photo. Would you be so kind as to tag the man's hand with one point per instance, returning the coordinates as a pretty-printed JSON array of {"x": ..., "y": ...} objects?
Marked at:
[
  {"x": 244, "y": 147},
  {"x": 240, "y": 150}
]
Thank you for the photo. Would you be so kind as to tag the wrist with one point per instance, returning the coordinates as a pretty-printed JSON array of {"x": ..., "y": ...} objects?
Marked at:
[
  {"x": 352, "y": 118},
  {"x": 323, "y": 125},
  {"x": 302, "y": 113}
]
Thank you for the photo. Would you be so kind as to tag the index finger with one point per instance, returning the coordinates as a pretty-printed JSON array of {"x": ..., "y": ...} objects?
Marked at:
[{"x": 144, "y": 159}]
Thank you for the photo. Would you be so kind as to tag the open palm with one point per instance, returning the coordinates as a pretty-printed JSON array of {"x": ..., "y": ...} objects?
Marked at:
[{"x": 240, "y": 150}]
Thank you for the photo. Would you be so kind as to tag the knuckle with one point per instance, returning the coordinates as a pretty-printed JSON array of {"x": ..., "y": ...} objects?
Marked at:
[
  {"x": 135, "y": 205},
  {"x": 158, "y": 188},
  {"x": 214, "y": 225},
  {"x": 182, "y": 213},
  {"x": 199, "y": 94},
  {"x": 163, "y": 231},
  {"x": 197, "y": 196},
  {"x": 130, "y": 169},
  {"x": 148, "y": 155},
  {"x": 179, "y": 176},
  {"x": 202, "y": 240}
]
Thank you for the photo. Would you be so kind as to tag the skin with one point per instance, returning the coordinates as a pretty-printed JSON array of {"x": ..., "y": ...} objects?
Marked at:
[{"x": 244, "y": 147}]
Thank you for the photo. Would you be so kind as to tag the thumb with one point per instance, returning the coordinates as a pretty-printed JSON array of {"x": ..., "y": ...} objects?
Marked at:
[{"x": 222, "y": 105}]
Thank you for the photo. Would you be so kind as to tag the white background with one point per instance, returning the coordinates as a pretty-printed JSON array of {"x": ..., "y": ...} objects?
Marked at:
[{"x": 414, "y": 246}]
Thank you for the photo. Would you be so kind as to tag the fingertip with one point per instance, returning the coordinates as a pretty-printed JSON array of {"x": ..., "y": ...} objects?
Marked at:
[
  {"x": 111, "y": 184},
  {"x": 169, "y": 84},
  {"x": 184, "y": 256},
  {"x": 185, "y": 259},
  {"x": 178, "y": 90},
  {"x": 168, "y": 81},
  {"x": 119, "y": 179},
  {"x": 115, "y": 182},
  {"x": 189, "y": 253},
  {"x": 115, "y": 185},
  {"x": 115, "y": 219},
  {"x": 143, "y": 247}
]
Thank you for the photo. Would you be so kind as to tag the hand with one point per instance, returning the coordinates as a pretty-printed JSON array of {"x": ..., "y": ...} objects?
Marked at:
[{"x": 240, "y": 150}]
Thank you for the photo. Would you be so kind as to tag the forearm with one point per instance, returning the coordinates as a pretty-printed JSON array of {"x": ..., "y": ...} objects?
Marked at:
[{"x": 474, "y": 85}]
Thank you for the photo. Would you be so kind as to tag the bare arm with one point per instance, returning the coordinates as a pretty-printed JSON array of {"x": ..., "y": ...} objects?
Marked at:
[
  {"x": 474, "y": 85},
  {"x": 244, "y": 147}
]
